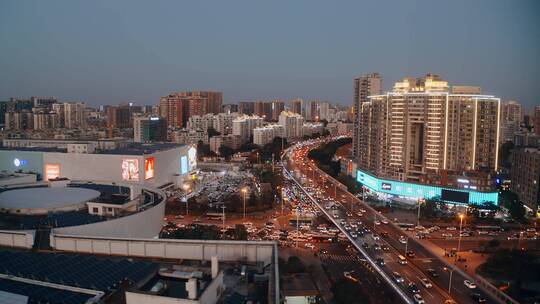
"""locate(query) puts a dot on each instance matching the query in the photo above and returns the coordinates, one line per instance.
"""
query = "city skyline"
(60, 50)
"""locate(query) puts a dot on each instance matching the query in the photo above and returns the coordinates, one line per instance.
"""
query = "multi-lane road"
(424, 265)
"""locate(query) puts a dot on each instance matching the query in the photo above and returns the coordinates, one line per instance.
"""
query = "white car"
(384, 222)
(451, 228)
(469, 284)
(402, 240)
(418, 299)
(426, 283)
(377, 222)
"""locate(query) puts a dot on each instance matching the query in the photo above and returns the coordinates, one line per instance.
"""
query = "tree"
(505, 153)
(204, 150)
(517, 210)
(212, 132)
(429, 209)
(240, 232)
(347, 292)
(226, 152)
(516, 265)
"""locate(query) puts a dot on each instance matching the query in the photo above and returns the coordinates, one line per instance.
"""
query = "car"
(384, 222)
(323, 251)
(413, 288)
(418, 299)
(447, 235)
(477, 298)
(375, 237)
(385, 248)
(465, 234)
(469, 284)
(384, 234)
(410, 253)
(397, 277)
(380, 262)
(335, 216)
(349, 214)
(432, 272)
(365, 245)
(377, 222)
(451, 228)
(403, 240)
(354, 235)
(350, 275)
(377, 247)
(426, 283)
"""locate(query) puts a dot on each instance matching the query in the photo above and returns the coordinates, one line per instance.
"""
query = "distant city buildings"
(293, 124)
(536, 120)
(512, 118)
(266, 134)
(243, 126)
(176, 108)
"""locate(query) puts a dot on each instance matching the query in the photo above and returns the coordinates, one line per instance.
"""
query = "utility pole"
(459, 238)
(418, 217)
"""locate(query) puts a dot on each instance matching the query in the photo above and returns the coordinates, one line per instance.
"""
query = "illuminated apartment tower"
(364, 86)
(297, 105)
(424, 132)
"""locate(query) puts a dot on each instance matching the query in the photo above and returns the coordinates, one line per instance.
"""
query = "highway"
(425, 264)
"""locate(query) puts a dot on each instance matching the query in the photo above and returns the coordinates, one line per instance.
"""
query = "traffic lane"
(462, 292)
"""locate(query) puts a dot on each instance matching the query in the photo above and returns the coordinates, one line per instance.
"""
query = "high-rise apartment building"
(325, 111)
(119, 116)
(297, 105)
(149, 129)
(423, 132)
(266, 134)
(536, 120)
(292, 123)
(246, 107)
(243, 126)
(312, 110)
(176, 108)
(74, 115)
(278, 106)
(512, 117)
(525, 176)
(364, 86)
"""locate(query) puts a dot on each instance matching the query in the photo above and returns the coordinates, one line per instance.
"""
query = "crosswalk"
(338, 257)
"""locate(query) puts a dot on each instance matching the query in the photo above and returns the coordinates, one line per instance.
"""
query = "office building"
(364, 86)
(149, 129)
(525, 176)
(423, 132)
(293, 124)
(512, 117)
(119, 116)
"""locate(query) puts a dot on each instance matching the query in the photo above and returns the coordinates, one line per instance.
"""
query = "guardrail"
(362, 250)
(495, 291)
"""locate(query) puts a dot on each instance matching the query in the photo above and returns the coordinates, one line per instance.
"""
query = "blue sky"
(107, 52)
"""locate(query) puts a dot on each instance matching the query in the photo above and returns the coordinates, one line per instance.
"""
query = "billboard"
(130, 169)
(52, 171)
(149, 165)
(192, 157)
(184, 165)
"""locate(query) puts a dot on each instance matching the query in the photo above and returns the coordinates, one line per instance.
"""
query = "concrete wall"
(213, 291)
(29, 161)
(144, 224)
(169, 249)
(139, 298)
(22, 239)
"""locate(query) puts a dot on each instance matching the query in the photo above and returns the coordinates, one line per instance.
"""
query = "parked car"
(469, 284)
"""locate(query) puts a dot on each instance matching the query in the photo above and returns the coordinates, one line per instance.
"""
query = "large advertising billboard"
(184, 165)
(130, 169)
(149, 168)
(192, 158)
(52, 171)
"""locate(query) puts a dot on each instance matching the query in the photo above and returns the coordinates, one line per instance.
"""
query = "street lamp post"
(459, 238)
(223, 217)
(186, 189)
(418, 217)
(406, 245)
(244, 191)
(297, 223)
(450, 282)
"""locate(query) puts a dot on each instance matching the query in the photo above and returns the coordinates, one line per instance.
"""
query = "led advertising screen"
(130, 169)
(192, 157)
(52, 171)
(149, 168)
(386, 186)
(184, 165)
(455, 196)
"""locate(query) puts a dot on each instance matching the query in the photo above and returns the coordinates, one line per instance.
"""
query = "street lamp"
(461, 216)
(450, 280)
(186, 189)
(244, 191)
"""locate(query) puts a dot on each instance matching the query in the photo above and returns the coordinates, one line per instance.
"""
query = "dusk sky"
(107, 52)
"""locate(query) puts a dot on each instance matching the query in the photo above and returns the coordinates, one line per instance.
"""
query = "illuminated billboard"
(419, 191)
(184, 165)
(192, 158)
(130, 169)
(52, 171)
(149, 168)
